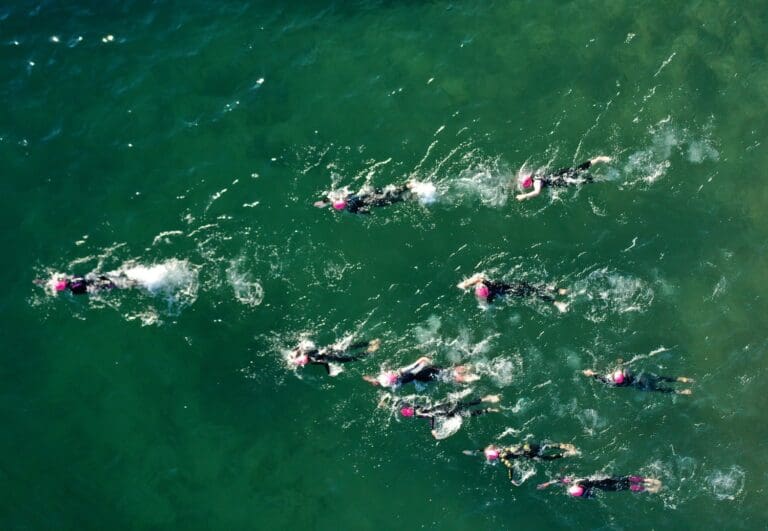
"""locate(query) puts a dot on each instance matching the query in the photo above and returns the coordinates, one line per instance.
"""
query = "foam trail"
(426, 192)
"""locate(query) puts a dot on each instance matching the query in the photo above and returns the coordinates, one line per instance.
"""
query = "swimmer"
(90, 283)
(444, 410)
(308, 354)
(543, 452)
(560, 178)
(584, 487)
(644, 381)
(367, 198)
(487, 290)
(424, 371)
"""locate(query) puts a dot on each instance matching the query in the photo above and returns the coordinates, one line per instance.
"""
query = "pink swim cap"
(482, 291)
(407, 411)
(339, 205)
(301, 360)
(491, 454)
(618, 377)
(60, 285)
(526, 181)
(576, 490)
(636, 487)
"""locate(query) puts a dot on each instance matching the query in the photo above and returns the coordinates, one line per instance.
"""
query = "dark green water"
(204, 131)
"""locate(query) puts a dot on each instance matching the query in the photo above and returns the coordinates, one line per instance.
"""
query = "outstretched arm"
(546, 484)
(533, 193)
(471, 281)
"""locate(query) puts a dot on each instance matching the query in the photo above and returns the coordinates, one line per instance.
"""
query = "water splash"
(247, 290)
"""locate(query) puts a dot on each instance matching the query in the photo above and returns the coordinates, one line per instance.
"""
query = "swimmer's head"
(339, 205)
(618, 377)
(491, 453)
(407, 411)
(300, 360)
(526, 181)
(482, 291)
(576, 490)
(60, 285)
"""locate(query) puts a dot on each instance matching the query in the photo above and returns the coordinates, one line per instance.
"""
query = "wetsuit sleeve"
(584, 165)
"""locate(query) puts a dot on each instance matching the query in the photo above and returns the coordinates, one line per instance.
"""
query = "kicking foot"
(684, 379)
(561, 306)
(684, 392)
(491, 399)
(601, 158)
(373, 346)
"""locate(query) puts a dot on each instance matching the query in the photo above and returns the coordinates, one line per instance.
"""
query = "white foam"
(727, 484)
(247, 290)
(445, 427)
(426, 192)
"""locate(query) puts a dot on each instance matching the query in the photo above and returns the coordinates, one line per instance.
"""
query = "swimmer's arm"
(533, 193)
(418, 364)
(471, 281)
(322, 203)
(598, 377)
(542, 486)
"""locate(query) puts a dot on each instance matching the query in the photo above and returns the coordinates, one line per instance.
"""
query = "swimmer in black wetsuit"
(444, 410)
(643, 382)
(560, 178)
(308, 354)
(543, 452)
(367, 198)
(487, 290)
(584, 487)
(422, 370)
(90, 283)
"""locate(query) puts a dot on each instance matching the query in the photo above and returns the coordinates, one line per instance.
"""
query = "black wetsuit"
(611, 484)
(643, 382)
(81, 285)
(517, 289)
(361, 203)
(328, 355)
(559, 178)
(419, 373)
(448, 409)
(529, 451)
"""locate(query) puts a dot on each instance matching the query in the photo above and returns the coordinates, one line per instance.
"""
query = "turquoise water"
(199, 135)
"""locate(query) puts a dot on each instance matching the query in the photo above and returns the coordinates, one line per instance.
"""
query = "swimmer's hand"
(588, 372)
(320, 204)
(601, 158)
(652, 485)
(468, 452)
(371, 380)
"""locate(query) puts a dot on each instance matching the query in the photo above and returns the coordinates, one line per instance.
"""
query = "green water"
(204, 131)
